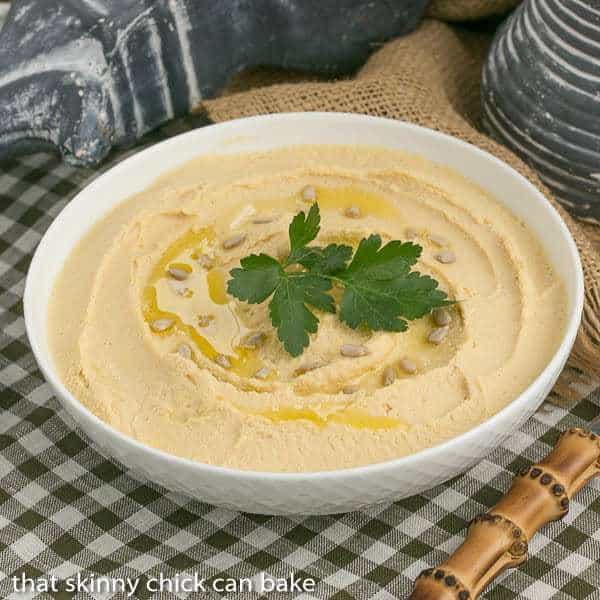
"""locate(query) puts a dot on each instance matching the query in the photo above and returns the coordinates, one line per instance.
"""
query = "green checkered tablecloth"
(66, 509)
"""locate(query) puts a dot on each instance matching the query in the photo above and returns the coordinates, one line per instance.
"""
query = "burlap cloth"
(430, 77)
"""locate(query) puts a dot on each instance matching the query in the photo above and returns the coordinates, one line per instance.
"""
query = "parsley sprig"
(380, 290)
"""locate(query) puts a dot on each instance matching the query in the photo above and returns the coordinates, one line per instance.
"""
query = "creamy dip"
(145, 335)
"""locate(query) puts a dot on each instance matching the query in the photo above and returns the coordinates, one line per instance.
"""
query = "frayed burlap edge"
(430, 77)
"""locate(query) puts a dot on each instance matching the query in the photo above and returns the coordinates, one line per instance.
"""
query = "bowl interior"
(272, 131)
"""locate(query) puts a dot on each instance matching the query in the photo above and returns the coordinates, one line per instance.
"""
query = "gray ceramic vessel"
(541, 96)
(84, 76)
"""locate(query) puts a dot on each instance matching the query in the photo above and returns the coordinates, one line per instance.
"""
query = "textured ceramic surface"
(84, 76)
(541, 96)
(326, 492)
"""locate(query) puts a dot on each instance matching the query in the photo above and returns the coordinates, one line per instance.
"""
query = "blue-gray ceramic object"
(541, 96)
(87, 75)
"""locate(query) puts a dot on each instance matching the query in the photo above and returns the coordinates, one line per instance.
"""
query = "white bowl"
(328, 491)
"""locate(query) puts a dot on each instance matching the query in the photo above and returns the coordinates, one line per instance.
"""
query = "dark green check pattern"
(64, 508)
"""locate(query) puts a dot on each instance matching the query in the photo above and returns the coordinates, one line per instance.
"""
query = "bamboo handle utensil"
(499, 538)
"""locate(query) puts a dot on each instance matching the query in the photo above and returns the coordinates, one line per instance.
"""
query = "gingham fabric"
(66, 509)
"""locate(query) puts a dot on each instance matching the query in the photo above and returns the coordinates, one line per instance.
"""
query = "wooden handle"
(499, 539)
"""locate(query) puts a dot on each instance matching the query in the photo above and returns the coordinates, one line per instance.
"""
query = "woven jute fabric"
(430, 77)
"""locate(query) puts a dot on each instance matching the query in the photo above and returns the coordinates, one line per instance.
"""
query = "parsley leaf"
(256, 280)
(303, 230)
(328, 260)
(371, 261)
(380, 290)
(289, 313)
(260, 276)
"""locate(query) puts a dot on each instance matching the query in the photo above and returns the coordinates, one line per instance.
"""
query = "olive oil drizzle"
(350, 416)
(245, 361)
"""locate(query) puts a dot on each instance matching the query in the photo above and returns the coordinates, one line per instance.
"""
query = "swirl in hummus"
(145, 334)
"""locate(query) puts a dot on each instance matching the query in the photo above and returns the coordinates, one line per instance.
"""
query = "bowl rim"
(552, 367)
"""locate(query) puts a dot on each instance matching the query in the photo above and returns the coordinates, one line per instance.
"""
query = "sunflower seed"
(234, 241)
(389, 376)
(206, 261)
(184, 351)
(353, 350)
(253, 340)
(178, 274)
(407, 365)
(438, 240)
(178, 287)
(263, 220)
(223, 361)
(438, 334)
(245, 213)
(205, 320)
(262, 373)
(162, 324)
(350, 389)
(309, 366)
(309, 193)
(441, 317)
(446, 257)
(353, 212)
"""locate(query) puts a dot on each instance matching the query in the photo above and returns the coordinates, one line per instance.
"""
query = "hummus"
(145, 335)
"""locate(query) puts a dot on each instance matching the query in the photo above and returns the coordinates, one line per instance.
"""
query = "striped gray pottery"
(541, 96)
